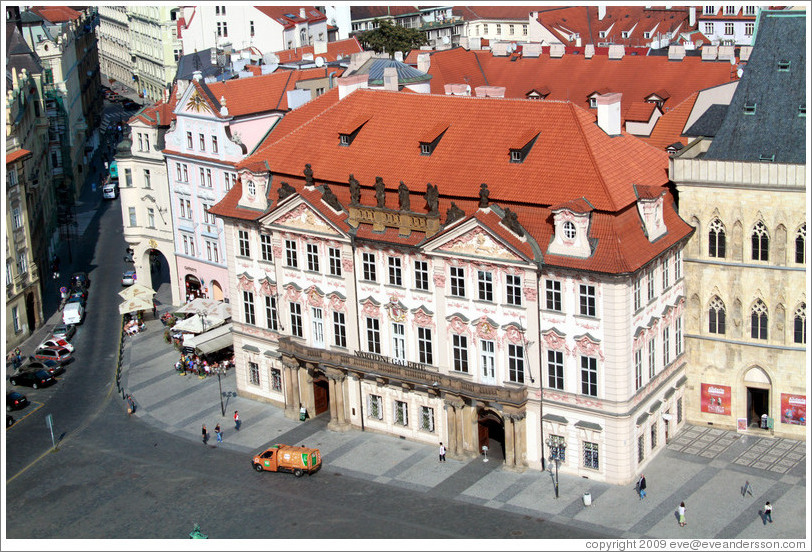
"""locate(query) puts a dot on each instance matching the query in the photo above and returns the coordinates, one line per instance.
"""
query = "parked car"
(15, 401)
(291, 459)
(54, 342)
(77, 298)
(129, 104)
(73, 313)
(64, 331)
(80, 279)
(110, 189)
(51, 366)
(45, 353)
(128, 278)
(35, 379)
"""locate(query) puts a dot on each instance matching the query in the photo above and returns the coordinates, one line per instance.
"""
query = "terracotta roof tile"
(639, 111)
(56, 14)
(17, 155)
(262, 93)
(669, 127)
(343, 48)
(289, 16)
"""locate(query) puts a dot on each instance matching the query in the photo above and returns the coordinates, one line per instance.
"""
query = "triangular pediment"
(298, 214)
(194, 101)
(474, 240)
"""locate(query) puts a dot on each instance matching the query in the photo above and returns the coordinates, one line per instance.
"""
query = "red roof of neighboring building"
(342, 48)
(56, 14)
(17, 155)
(289, 16)
(669, 127)
(639, 112)
(497, 12)
(371, 12)
(159, 114)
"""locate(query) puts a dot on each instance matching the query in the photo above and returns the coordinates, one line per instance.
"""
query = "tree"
(391, 38)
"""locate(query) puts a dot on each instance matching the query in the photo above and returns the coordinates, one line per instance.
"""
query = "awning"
(210, 341)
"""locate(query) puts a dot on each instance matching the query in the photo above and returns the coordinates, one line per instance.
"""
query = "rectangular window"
(398, 341)
(334, 257)
(638, 369)
(133, 221)
(636, 295)
(296, 320)
(641, 448)
(484, 283)
(253, 373)
(375, 407)
(214, 144)
(179, 174)
(498, 29)
(17, 218)
(748, 29)
(128, 178)
(185, 172)
(208, 178)
(562, 451)
(368, 264)
(708, 29)
(677, 265)
(395, 276)
(666, 273)
(202, 177)
(251, 28)
(587, 300)
(729, 10)
(248, 306)
(424, 348)
(652, 359)
(427, 419)
(457, 281)
(15, 316)
(591, 455)
(487, 359)
(678, 335)
(679, 410)
(421, 275)
(513, 289)
(653, 435)
(150, 217)
(401, 413)
(339, 329)
(729, 29)
(373, 335)
(245, 248)
(189, 141)
(555, 370)
(589, 376)
(650, 284)
(516, 363)
(459, 347)
(317, 318)
(147, 179)
(666, 346)
(276, 380)
(291, 259)
(270, 313)
(312, 257)
(553, 301)
(265, 247)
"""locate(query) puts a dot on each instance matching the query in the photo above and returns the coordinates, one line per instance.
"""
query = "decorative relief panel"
(336, 302)
(314, 296)
(291, 293)
(554, 341)
(486, 329)
(587, 347)
(477, 242)
(371, 310)
(439, 280)
(244, 283)
(305, 218)
(458, 326)
(266, 287)
(422, 319)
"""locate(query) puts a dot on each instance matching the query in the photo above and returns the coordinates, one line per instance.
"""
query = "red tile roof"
(159, 114)
(289, 16)
(17, 155)
(669, 127)
(342, 48)
(496, 12)
(56, 14)
(639, 111)
(370, 12)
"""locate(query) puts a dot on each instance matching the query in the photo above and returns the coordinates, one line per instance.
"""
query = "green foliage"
(392, 38)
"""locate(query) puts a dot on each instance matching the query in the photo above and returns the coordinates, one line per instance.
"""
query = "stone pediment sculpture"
(403, 197)
(330, 198)
(286, 190)
(483, 195)
(453, 213)
(431, 198)
(355, 191)
(380, 192)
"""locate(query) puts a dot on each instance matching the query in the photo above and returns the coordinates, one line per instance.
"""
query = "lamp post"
(557, 451)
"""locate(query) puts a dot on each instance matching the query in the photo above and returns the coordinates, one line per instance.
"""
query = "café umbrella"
(135, 304)
(136, 290)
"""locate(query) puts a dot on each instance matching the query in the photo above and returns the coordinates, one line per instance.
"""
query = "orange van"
(290, 459)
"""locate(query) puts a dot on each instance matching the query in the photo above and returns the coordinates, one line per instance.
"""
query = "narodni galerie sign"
(388, 360)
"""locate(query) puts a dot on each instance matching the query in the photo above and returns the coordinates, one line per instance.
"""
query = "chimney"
(197, 75)
(399, 56)
(692, 16)
(423, 62)
(601, 12)
(390, 79)
(609, 113)
(589, 51)
(302, 13)
(347, 85)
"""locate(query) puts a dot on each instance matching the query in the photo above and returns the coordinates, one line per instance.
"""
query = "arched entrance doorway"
(216, 291)
(491, 429)
(193, 287)
(757, 388)
(158, 268)
(321, 395)
(30, 311)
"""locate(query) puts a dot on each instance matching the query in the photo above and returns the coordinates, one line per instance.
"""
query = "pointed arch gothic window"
(758, 320)
(716, 239)
(800, 324)
(716, 316)
(800, 245)
(761, 242)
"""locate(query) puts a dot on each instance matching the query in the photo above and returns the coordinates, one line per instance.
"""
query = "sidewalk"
(702, 466)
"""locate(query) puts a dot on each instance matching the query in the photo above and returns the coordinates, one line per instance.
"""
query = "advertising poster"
(793, 409)
(716, 399)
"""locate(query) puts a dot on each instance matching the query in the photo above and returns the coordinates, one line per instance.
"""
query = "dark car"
(35, 379)
(15, 401)
(60, 355)
(129, 104)
(77, 298)
(79, 279)
(64, 331)
(51, 366)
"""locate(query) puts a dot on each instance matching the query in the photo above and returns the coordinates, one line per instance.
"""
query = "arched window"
(716, 316)
(758, 320)
(800, 324)
(761, 242)
(252, 188)
(800, 245)
(716, 239)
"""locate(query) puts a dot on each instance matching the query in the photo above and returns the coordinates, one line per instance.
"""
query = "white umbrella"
(195, 324)
(135, 304)
(136, 290)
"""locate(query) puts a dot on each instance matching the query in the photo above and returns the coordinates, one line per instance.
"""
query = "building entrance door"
(321, 396)
(491, 433)
(758, 403)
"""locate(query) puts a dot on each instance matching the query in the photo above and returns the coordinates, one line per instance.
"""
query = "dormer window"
(518, 154)
(647, 34)
(624, 34)
(783, 65)
(429, 140)
(252, 188)
(802, 110)
(709, 10)
(425, 149)
(345, 139)
(593, 102)
(767, 157)
(730, 10)
(750, 108)
(349, 133)
(602, 34)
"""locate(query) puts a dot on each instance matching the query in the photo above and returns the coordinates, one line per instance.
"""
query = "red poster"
(716, 399)
(793, 409)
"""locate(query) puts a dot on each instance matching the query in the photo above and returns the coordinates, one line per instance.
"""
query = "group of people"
(15, 358)
(191, 363)
(135, 324)
(219, 432)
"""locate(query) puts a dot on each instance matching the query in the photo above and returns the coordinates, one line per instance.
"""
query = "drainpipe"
(330, 76)
(357, 325)
(541, 369)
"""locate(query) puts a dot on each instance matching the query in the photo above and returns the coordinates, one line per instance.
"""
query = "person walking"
(237, 420)
(768, 512)
(130, 405)
(442, 452)
(205, 434)
(219, 433)
(641, 486)
(747, 488)
(681, 512)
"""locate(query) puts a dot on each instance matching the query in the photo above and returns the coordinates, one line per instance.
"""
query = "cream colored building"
(744, 191)
(114, 43)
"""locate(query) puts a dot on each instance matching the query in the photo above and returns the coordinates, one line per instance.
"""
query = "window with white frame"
(15, 317)
(178, 173)
(749, 10)
(296, 327)
(208, 178)
(334, 260)
(666, 346)
(666, 273)
(185, 172)
(17, 217)
(650, 287)
(513, 289)
(398, 341)
(189, 141)
(202, 177)
(553, 296)
(317, 319)
(516, 363)
(636, 294)
(248, 307)
(459, 347)
(395, 274)
(709, 10)
(266, 247)
(729, 29)
(208, 218)
(271, 319)
(252, 188)
(133, 220)
(424, 347)
(147, 179)
(749, 28)
(312, 257)
(22, 262)
(214, 144)
(368, 266)
(708, 29)
(373, 335)
(375, 407)
(653, 435)
(457, 281)
(421, 275)
(484, 285)
(487, 359)
(253, 373)
(677, 265)
(638, 369)
(562, 451)
(641, 448)
(427, 419)
(276, 379)
(244, 244)
(652, 358)
(678, 335)
(401, 413)
(586, 297)
(589, 376)
(730, 10)
(339, 329)
(591, 459)
(555, 370)
(291, 258)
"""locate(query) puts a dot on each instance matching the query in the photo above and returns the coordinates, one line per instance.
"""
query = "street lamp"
(557, 451)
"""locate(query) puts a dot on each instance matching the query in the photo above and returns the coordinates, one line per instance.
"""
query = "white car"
(129, 278)
(54, 342)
